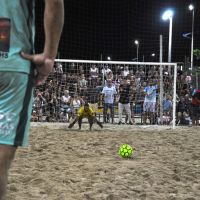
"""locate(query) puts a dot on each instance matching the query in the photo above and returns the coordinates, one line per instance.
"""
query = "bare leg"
(94, 119)
(80, 122)
(73, 122)
(145, 118)
(91, 121)
(6, 156)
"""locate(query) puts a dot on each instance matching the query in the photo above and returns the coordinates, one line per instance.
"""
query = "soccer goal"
(77, 77)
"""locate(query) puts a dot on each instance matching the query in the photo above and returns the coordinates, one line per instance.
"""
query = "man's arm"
(53, 24)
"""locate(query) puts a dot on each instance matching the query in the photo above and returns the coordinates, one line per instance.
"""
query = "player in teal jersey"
(17, 59)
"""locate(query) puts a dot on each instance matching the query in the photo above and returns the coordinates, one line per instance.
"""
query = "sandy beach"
(64, 164)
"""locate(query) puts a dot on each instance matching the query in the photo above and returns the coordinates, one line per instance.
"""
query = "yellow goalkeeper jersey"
(83, 113)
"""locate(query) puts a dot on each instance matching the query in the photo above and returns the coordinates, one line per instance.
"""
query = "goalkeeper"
(85, 112)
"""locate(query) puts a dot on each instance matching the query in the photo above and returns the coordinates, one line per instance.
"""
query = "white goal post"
(133, 66)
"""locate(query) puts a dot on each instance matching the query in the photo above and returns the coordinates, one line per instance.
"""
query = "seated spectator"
(182, 107)
(76, 103)
(185, 119)
(82, 81)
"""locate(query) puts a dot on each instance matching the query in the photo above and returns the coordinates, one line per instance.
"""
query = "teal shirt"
(16, 34)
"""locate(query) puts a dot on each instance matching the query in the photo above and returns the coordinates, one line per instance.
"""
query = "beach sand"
(64, 164)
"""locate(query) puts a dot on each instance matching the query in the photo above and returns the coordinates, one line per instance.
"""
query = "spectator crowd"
(117, 94)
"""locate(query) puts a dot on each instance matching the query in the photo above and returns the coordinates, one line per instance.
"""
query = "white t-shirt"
(109, 93)
(94, 72)
(76, 103)
(151, 93)
(106, 71)
(65, 100)
(125, 73)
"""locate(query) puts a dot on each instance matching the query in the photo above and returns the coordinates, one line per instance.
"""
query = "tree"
(197, 53)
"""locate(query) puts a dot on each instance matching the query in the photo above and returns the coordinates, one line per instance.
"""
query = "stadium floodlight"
(168, 15)
(108, 58)
(136, 42)
(191, 8)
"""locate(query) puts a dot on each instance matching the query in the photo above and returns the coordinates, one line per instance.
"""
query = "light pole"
(137, 45)
(168, 15)
(191, 8)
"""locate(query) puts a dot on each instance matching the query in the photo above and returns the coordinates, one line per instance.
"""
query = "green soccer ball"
(125, 151)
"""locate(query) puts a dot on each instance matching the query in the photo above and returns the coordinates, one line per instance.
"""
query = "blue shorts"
(16, 91)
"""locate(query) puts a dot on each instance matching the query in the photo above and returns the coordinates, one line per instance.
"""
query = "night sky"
(109, 27)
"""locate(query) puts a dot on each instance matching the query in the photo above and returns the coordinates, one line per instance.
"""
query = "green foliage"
(197, 53)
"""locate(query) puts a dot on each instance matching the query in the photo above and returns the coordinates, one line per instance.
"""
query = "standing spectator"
(167, 110)
(105, 71)
(94, 74)
(63, 80)
(59, 68)
(109, 92)
(65, 106)
(109, 75)
(16, 73)
(81, 69)
(125, 73)
(124, 101)
(149, 106)
(93, 96)
(94, 71)
(53, 109)
(196, 107)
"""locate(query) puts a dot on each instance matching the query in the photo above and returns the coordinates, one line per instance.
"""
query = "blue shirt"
(150, 93)
(167, 105)
(16, 34)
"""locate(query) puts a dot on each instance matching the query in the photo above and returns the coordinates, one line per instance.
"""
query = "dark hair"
(86, 104)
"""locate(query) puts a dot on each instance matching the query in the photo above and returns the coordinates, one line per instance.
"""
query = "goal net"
(152, 94)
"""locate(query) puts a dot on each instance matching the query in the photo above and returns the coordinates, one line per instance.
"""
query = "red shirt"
(196, 98)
